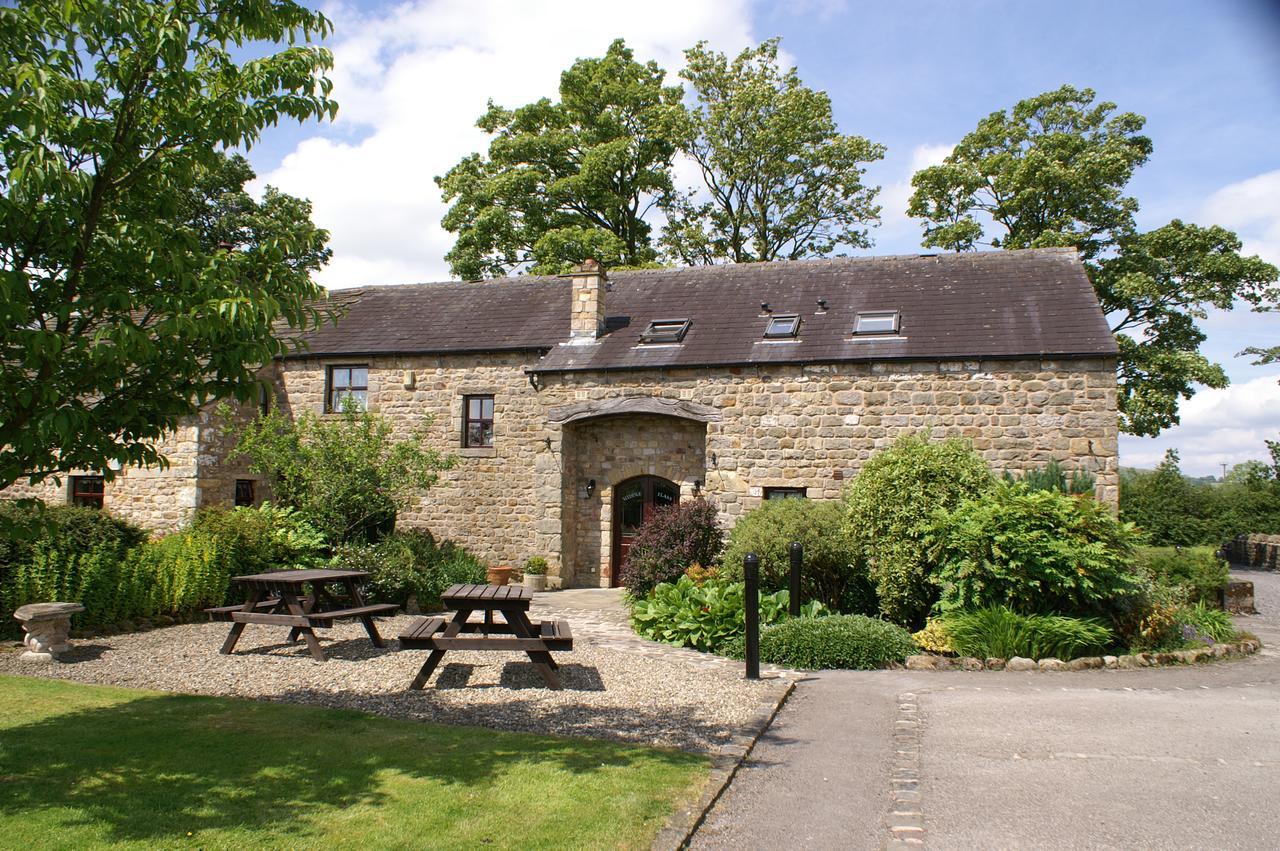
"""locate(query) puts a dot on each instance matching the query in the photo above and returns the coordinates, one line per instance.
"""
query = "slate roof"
(999, 304)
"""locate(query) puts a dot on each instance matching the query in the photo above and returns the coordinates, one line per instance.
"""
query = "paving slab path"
(1185, 757)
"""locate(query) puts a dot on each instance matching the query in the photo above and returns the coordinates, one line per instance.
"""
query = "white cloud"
(898, 233)
(411, 82)
(1218, 426)
(1252, 209)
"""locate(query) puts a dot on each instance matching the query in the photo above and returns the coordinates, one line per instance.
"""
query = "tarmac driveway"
(1185, 757)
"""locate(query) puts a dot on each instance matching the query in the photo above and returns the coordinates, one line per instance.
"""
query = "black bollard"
(751, 573)
(797, 560)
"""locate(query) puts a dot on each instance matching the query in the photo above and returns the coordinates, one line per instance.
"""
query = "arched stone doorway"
(634, 502)
(603, 451)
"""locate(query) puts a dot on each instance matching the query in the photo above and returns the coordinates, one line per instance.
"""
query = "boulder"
(969, 663)
(1052, 664)
(1020, 663)
(1084, 663)
(994, 663)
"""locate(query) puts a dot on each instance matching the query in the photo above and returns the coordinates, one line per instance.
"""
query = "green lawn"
(91, 766)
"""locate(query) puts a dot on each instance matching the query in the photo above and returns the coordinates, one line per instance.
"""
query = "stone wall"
(810, 426)
(486, 502)
(1254, 550)
(794, 426)
(154, 498)
(199, 475)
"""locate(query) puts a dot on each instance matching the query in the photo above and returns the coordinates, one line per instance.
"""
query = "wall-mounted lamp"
(697, 486)
(587, 488)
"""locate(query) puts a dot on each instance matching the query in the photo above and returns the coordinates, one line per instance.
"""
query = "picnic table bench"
(440, 635)
(280, 598)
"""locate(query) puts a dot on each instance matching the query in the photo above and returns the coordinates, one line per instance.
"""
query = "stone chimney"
(586, 310)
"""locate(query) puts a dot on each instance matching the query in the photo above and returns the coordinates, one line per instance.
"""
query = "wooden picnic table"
(280, 598)
(518, 633)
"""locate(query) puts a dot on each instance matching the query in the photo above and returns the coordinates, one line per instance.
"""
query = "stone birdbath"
(47, 626)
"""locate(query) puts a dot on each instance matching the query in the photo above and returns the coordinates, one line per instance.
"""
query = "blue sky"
(411, 78)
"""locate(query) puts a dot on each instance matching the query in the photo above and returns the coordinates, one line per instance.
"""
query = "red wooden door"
(634, 502)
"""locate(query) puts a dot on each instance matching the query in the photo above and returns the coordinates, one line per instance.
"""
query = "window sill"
(477, 452)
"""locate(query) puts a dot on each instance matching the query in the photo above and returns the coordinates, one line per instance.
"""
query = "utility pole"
(1224, 470)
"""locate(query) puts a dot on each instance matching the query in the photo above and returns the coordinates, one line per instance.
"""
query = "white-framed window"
(781, 326)
(876, 322)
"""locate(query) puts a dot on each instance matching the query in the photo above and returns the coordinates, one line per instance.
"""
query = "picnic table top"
(486, 594)
(299, 577)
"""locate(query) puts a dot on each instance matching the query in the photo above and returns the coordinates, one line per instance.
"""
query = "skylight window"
(782, 326)
(876, 322)
(665, 331)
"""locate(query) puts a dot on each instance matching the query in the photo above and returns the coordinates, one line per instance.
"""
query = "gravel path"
(609, 692)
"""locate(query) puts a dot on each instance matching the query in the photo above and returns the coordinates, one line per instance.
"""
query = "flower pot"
(499, 575)
(535, 581)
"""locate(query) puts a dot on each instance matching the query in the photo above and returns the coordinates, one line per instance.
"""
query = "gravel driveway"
(609, 693)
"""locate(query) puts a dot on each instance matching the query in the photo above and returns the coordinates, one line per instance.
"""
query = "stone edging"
(906, 807)
(680, 828)
(1223, 650)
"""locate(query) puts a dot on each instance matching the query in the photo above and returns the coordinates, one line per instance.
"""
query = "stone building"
(576, 405)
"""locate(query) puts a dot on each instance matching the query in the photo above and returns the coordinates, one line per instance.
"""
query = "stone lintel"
(681, 408)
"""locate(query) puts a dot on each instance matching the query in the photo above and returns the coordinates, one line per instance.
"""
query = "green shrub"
(410, 563)
(1196, 571)
(262, 539)
(889, 507)
(1034, 552)
(1002, 633)
(1176, 511)
(838, 641)
(46, 549)
(1051, 477)
(1206, 624)
(347, 473)
(675, 538)
(75, 529)
(705, 616)
(179, 574)
(833, 571)
(536, 566)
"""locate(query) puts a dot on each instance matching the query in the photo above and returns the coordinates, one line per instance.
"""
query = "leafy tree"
(1163, 504)
(1176, 511)
(345, 474)
(1263, 355)
(783, 182)
(1052, 172)
(569, 180)
(137, 280)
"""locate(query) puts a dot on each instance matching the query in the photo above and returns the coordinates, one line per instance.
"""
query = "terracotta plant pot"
(499, 575)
